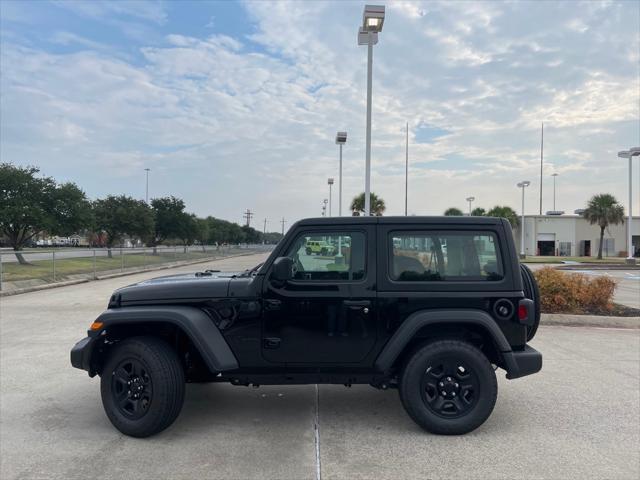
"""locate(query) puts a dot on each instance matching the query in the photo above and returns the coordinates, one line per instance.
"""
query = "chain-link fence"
(38, 267)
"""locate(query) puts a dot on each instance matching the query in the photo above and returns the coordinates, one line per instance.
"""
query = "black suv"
(428, 305)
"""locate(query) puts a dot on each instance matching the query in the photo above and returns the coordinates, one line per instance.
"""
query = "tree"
(168, 212)
(505, 212)
(187, 229)
(203, 231)
(377, 205)
(478, 212)
(118, 216)
(32, 205)
(453, 212)
(603, 210)
(251, 235)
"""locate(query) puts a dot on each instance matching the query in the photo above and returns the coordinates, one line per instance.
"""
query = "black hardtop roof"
(441, 220)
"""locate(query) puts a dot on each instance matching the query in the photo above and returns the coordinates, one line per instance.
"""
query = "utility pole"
(283, 221)
(146, 196)
(264, 229)
(406, 173)
(248, 214)
(541, 162)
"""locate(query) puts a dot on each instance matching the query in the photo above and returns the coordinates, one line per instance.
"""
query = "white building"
(572, 235)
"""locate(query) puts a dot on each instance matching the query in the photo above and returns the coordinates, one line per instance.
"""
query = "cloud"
(247, 120)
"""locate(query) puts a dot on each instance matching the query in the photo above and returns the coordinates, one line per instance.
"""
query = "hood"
(185, 288)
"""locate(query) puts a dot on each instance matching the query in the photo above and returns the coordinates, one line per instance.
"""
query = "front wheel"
(142, 386)
(448, 387)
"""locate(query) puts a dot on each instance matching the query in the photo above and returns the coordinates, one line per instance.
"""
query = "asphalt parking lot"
(578, 418)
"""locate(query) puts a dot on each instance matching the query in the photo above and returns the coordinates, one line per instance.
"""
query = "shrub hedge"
(562, 292)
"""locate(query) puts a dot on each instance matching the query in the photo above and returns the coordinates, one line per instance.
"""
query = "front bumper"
(523, 362)
(82, 353)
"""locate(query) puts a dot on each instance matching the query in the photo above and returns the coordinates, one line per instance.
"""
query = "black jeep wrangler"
(428, 305)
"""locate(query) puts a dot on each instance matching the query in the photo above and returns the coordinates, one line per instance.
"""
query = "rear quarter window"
(440, 256)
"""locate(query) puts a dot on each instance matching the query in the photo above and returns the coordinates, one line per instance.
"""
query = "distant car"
(397, 311)
(319, 247)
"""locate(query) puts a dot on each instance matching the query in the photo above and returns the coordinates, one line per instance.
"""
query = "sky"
(235, 105)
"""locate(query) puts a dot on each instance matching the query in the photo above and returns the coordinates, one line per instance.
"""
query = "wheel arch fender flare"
(418, 320)
(195, 324)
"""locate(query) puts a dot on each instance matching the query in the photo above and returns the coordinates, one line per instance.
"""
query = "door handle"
(357, 303)
(271, 342)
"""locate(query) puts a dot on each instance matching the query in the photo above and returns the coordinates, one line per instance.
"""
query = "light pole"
(406, 172)
(372, 20)
(470, 200)
(524, 184)
(629, 154)
(341, 139)
(330, 183)
(146, 195)
(554, 175)
(324, 207)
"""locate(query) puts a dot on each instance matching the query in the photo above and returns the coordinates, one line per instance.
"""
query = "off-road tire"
(308, 251)
(415, 373)
(164, 372)
(531, 291)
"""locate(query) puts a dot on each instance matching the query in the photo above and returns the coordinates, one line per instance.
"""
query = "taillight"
(523, 312)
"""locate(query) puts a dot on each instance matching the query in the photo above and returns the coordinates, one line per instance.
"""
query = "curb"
(589, 321)
(67, 283)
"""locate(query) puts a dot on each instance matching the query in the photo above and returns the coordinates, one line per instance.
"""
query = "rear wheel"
(308, 251)
(532, 292)
(448, 387)
(142, 386)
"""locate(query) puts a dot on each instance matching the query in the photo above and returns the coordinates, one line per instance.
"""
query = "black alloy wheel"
(131, 388)
(450, 387)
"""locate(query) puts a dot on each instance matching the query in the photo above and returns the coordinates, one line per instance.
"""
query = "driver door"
(327, 312)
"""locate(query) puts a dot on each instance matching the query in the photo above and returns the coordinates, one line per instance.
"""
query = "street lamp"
(470, 200)
(324, 207)
(341, 139)
(524, 184)
(372, 21)
(632, 152)
(146, 196)
(554, 175)
(330, 183)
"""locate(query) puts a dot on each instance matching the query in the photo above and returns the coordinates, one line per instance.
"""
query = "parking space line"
(316, 427)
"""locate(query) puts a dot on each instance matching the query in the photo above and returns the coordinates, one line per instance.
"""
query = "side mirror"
(282, 269)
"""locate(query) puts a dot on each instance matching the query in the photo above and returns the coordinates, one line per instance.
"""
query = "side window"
(444, 256)
(329, 256)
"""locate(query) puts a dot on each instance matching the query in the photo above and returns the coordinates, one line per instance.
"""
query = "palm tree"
(505, 212)
(603, 210)
(478, 212)
(453, 212)
(377, 205)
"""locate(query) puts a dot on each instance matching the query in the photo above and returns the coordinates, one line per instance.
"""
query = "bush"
(562, 292)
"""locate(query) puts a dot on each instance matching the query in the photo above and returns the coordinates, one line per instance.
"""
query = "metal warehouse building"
(572, 235)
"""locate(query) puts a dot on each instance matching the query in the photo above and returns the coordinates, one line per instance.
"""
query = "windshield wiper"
(248, 273)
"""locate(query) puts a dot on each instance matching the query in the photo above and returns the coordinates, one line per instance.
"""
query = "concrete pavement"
(578, 418)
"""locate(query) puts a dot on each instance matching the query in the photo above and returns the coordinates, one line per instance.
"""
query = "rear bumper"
(81, 355)
(522, 363)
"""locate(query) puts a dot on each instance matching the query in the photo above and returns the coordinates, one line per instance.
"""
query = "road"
(33, 255)
(628, 289)
(578, 418)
